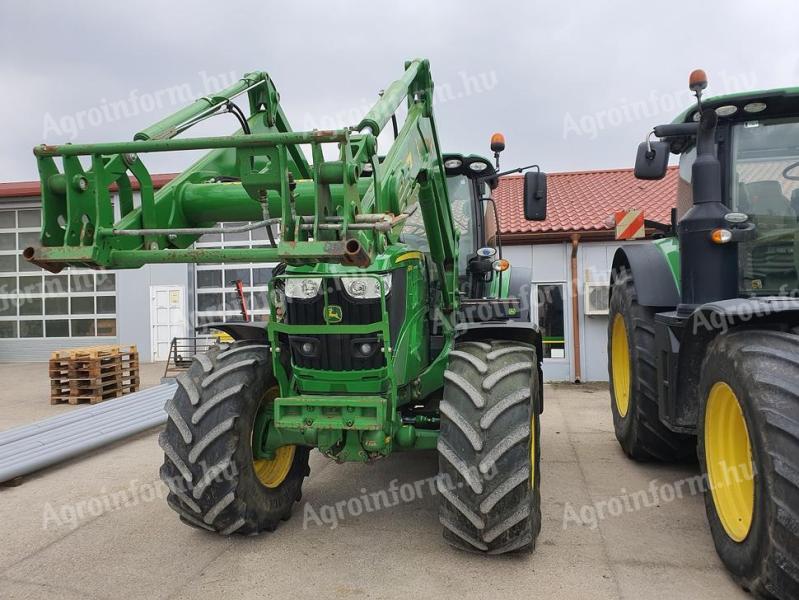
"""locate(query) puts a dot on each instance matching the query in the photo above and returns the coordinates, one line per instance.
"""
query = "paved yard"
(61, 541)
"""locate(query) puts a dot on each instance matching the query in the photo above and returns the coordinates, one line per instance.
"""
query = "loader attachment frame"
(345, 211)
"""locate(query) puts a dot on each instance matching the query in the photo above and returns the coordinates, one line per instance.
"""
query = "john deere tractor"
(704, 326)
(391, 323)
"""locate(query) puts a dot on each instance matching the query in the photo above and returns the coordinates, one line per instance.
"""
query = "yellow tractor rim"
(620, 365)
(728, 454)
(271, 472)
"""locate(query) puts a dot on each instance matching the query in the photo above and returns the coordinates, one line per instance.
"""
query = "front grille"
(353, 312)
(339, 352)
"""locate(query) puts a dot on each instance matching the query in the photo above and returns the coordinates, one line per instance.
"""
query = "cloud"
(550, 62)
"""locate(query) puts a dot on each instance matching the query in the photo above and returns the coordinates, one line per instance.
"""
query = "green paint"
(670, 248)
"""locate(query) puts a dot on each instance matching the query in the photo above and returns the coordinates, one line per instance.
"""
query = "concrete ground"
(62, 536)
(25, 392)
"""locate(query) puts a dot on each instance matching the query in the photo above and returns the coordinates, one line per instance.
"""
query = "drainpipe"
(575, 238)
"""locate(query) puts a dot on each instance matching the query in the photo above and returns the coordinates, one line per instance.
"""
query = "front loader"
(391, 323)
(703, 339)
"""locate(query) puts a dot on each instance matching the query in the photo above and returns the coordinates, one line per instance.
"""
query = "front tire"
(633, 380)
(214, 482)
(749, 452)
(489, 448)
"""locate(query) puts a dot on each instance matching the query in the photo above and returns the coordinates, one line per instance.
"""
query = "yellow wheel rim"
(272, 472)
(728, 454)
(620, 365)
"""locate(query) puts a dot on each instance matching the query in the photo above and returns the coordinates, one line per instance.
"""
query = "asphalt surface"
(98, 526)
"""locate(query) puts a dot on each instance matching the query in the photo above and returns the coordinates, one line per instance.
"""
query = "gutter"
(556, 237)
(575, 242)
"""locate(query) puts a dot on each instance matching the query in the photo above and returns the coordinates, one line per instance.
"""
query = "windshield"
(459, 189)
(765, 186)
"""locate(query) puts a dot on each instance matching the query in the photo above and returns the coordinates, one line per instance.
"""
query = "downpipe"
(578, 375)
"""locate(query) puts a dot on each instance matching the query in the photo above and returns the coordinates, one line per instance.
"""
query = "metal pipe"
(88, 423)
(254, 140)
(168, 126)
(32, 442)
(30, 464)
(16, 433)
(56, 447)
(575, 238)
(136, 258)
(198, 230)
(67, 436)
(28, 448)
(77, 439)
(389, 101)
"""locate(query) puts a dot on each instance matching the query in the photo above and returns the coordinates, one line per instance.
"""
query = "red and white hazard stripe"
(630, 224)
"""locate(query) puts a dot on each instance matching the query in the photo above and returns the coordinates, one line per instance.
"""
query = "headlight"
(303, 288)
(366, 287)
(478, 166)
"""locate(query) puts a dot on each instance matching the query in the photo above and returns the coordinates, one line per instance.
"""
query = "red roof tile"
(581, 201)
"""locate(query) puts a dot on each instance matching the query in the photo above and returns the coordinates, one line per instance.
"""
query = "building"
(40, 312)
(569, 257)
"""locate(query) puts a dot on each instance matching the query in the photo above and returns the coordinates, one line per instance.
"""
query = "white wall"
(550, 263)
(133, 302)
(547, 263)
(597, 259)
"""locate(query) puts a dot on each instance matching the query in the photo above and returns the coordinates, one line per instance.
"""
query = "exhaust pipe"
(29, 254)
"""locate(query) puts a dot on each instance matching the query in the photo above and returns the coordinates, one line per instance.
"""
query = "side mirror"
(535, 196)
(652, 160)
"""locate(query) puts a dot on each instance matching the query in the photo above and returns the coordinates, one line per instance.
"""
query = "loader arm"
(345, 211)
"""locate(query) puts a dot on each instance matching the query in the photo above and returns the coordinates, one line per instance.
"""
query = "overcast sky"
(572, 85)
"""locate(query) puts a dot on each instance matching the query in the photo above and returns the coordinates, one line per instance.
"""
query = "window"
(685, 192)
(216, 298)
(550, 316)
(765, 186)
(460, 191)
(37, 304)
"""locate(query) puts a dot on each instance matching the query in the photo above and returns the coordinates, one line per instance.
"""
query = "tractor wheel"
(749, 453)
(489, 449)
(633, 380)
(214, 482)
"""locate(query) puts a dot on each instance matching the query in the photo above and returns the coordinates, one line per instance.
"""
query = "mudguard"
(652, 277)
(238, 331)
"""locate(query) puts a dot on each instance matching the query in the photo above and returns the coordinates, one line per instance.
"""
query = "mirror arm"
(510, 172)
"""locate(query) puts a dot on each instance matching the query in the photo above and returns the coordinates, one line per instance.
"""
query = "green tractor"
(704, 326)
(392, 326)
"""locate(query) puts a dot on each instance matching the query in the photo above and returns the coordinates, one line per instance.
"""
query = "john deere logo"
(333, 313)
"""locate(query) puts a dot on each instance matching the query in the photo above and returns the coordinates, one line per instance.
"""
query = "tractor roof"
(779, 102)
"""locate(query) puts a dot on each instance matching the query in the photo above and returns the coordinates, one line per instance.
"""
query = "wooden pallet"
(89, 352)
(93, 374)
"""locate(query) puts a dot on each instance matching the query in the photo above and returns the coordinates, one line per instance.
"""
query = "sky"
(573, 85)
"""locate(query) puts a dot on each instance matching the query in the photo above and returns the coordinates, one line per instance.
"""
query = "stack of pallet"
(93, 374)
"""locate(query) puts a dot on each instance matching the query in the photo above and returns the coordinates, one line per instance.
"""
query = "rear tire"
(208, 464)
(489, 448)
(633, 380)
(761, 369)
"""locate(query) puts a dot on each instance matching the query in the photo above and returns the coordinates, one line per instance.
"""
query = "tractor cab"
(483, 273)
(749, 174)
